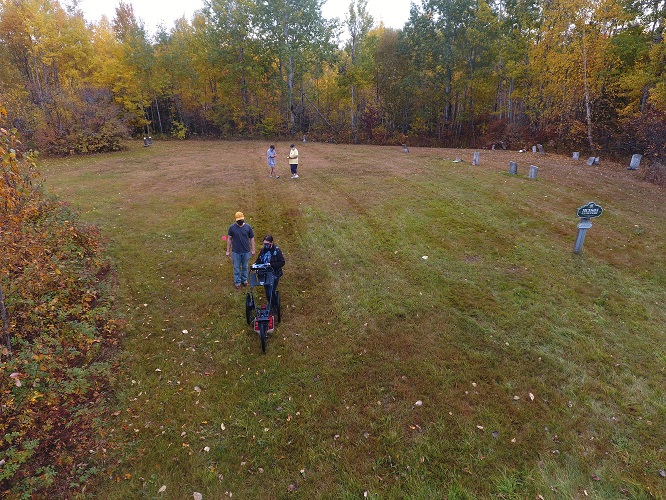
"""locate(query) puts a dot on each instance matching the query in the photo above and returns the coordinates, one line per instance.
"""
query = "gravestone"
(145, 142)
(405, 149)
(534, 170)
(576, 155)
(541, 150)
(475, 161)
(150, 141)
(592, 160)
(534, 149)
(513, 167)
(635, 162)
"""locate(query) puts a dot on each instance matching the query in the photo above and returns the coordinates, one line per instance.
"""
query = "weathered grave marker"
(591, 161)
(534, 149)
(534, 170)
(576, 155)
(586, 212)
(476, 158)
(635, 162)
(513, 167)
(145, 142)
(150, 141)
(541, 150)
(405, 149)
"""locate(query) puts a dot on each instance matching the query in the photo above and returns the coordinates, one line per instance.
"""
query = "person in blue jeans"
(240, 245)
(271, 254)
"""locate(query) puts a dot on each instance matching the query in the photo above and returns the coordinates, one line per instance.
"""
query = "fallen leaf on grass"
(15, 376)
(531, 396)
(162, 489)
(292, 487)
(197, 495)
(595, 477)
(480, 427)
(425, 257)
(418, 403)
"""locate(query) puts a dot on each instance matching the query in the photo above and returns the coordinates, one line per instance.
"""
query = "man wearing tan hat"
(240, 241)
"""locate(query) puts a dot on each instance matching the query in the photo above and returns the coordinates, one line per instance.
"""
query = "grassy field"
(439, 337)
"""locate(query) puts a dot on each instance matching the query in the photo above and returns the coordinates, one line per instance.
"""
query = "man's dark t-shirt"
(240, 237)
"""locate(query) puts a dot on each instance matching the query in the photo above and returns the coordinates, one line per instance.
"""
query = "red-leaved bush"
(58, 334)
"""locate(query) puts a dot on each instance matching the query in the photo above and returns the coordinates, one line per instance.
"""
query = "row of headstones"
(594, 160)
(147, 141)
(513, 169)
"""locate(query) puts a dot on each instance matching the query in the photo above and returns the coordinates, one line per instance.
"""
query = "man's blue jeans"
(240, 261)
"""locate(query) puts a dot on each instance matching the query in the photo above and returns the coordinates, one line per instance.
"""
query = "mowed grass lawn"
(439, 337)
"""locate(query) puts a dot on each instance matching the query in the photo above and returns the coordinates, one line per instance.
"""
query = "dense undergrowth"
(58, 335)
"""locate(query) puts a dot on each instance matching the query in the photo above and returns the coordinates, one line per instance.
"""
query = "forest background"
(572, 75)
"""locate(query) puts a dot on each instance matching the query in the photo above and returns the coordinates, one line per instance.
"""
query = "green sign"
(589, 211)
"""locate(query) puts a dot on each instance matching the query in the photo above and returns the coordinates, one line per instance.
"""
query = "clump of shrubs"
(58, 335)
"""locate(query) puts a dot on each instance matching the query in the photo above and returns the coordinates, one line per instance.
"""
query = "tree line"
(573, 74)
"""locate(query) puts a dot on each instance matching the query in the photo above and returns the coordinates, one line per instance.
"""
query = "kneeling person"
(271, 254)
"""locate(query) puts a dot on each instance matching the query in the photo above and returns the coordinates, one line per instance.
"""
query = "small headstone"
(145, 142)
(150, 141)
(635, 162)
(576, 155)
(591, 161)
(405, 149)
(541, 150)
(534, 149)
(457, 160)
(476, 158)
(304, 139)
(493, 148)
(533, 171)
(513, 167)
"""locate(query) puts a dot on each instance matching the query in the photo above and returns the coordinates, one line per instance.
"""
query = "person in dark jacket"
(271, 254)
